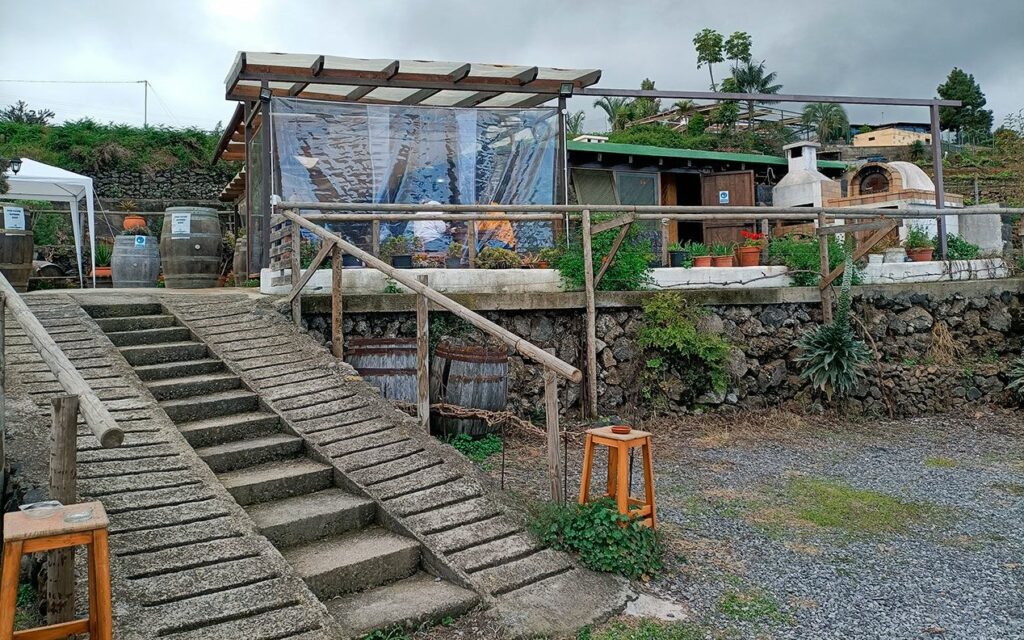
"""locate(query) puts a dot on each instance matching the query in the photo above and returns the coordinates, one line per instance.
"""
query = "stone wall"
(941, 346)
(173, 184)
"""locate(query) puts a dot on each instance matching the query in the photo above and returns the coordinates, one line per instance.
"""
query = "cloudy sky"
(184, 47)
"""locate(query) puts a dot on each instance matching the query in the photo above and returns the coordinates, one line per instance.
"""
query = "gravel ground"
(747, 561)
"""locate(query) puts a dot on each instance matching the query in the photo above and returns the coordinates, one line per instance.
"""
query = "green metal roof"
(688, 154)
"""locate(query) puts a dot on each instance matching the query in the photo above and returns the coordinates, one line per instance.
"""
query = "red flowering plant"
(752, 238)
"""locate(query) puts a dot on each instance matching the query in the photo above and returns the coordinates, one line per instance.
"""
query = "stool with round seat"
(23, 534)
(619, 446)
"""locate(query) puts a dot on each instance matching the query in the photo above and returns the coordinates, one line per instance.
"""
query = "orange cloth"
(499, 230)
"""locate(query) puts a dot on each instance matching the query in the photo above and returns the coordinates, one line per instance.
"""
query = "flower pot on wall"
(748, 256)
(702, 261)
(896, 254)
(677, 258)
(920, 255)
(721, 261)
(402, 262)
(133, 222)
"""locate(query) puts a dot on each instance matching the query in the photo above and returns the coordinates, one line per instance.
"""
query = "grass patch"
(941, 462)
(390, 633)
(478, 449)
(1012, 488)
(750, 605)
(644, 630)
(835, 505)
(25, 614)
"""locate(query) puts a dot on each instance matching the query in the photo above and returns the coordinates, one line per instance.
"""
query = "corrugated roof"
(688, 154)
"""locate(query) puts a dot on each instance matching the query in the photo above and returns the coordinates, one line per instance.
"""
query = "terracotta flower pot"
(920, 255)
(721, 261)
(748, 256)
(702, 261)
(101, 272)
(133, 222)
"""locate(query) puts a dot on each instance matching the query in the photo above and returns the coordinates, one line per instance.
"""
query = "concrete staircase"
(367, 576)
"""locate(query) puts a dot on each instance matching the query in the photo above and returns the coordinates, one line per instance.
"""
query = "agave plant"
(833, 359)
(1016, 376)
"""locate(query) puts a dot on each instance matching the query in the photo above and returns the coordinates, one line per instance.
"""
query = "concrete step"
(213, 431)
(302, 519)
(354, 561)
(149, 336)
(248, 453)
(216, 404)
(135, 323)
(165, 370)
(407, 603)
(277, 480)
(186, 386)
(123, 310)
(169, 352)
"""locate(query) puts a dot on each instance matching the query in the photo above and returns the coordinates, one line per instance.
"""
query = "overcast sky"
(183, 48)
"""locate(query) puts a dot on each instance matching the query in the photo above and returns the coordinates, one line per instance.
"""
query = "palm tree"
(748, 77)
(684, 106)
(829, 121)
(617, 110)
(574, 123)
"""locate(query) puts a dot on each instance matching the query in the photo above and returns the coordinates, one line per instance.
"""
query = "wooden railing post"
(664, 242)
(337, 335)
(422, 359)
(3, 393)
(60, 563)
(826, 295)
(471, 243)
(296, 272)
(375, 239)
(551, 420)
(588, 284)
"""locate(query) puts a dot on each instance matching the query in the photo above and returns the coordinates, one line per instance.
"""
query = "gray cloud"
(184, 47)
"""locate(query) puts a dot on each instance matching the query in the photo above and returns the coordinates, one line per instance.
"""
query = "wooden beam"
(314, 71)
(611, 254)
(853, 227)
(588, 285)
(60, 563)
(296, 268)
(423, 358)
(554, 436)
(310, 271)
(337, 324)
(418, 96)
(826, 297)
(862, 248)
(627, 219)
(475, 98)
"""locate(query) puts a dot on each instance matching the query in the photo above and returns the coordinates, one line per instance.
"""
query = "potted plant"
(102, 259)
(749, 253)
(548, 257)
(454, 259)
(131, 220)
(721, 255)
(349, 260)
(677, 255)
(497, 258)
(700, 254)
(398, 251)
(918, 245)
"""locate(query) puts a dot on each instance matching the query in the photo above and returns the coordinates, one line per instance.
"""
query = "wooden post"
(826, 295)
(337, 337)
(471, 242)
(375, 239)
(551, 420)
(422, 359)
(60, 563)
(296, 273)
(588, 284)
(765, 230)
(3, 395)
(664, 242)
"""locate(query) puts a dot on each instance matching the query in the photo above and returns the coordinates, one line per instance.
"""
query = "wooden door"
(730, 189)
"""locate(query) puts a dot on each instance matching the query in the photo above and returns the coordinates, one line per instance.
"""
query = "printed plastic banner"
(367, 153)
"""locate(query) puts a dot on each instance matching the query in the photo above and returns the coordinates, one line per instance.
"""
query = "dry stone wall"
(939, 349)
(171, 184)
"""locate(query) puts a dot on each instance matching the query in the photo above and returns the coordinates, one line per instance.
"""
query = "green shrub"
(1016, 377)
(476, 450)
(719, 249)
(917, 238)
(672, 330)
(398, 246)
(498, 258)
(802, 257)
(50, 229)
(833, 359)
(697, 249)
(959, 249)
(604, 539)
(630, 270)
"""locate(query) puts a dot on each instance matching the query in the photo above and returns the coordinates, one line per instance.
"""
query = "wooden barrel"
(387, 363)
(190, 247)
(16, 248)
(468, 376)
(240, 262)
(135, 262)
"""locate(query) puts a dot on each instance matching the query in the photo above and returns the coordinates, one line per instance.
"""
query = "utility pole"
(145, 103)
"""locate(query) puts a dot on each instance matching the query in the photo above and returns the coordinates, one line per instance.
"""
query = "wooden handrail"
(520, 345)
(102, 424)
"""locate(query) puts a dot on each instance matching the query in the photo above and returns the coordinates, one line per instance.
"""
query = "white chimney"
(804, 185)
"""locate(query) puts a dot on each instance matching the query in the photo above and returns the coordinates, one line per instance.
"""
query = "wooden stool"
(619, 446)
(28, 535)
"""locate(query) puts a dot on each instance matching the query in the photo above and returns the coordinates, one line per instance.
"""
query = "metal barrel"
(387, 363)
(190, 247)
(474, 377)
(135, 262)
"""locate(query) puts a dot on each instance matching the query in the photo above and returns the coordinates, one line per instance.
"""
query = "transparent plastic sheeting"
(367, 153)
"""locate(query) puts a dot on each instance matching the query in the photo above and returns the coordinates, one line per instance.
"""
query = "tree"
(748, 77)
(19, 112)
(971, 117)
(829, 121)
(708, 44)
(737, 47)
(644, 107)
(574, 123)
(684, 106)
(616, 109)
(696, 125)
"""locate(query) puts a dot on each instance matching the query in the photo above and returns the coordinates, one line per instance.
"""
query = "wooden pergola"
(256, 77)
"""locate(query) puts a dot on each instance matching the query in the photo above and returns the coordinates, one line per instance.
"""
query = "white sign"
(723, 197)
(181, 223)
(14, 218)
(140, 241)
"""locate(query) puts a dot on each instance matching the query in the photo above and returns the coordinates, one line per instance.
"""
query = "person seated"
(432, 234)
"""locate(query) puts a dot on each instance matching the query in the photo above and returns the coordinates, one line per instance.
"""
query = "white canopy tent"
(38, 181)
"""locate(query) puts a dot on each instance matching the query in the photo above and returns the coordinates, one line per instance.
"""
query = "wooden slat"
(629, 218)
(862, 248)
(553, 435)
(611, 254)
(54, 631)
(591, 319)
(310, 271)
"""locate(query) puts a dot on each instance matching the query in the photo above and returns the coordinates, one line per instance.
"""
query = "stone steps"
(136, 323)
(158, 335)
(185, 386)
(222, 429)
(166, 352)
(210, 406)
(181, 368)
(277, 480)
(247, 453)
(312, 516)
